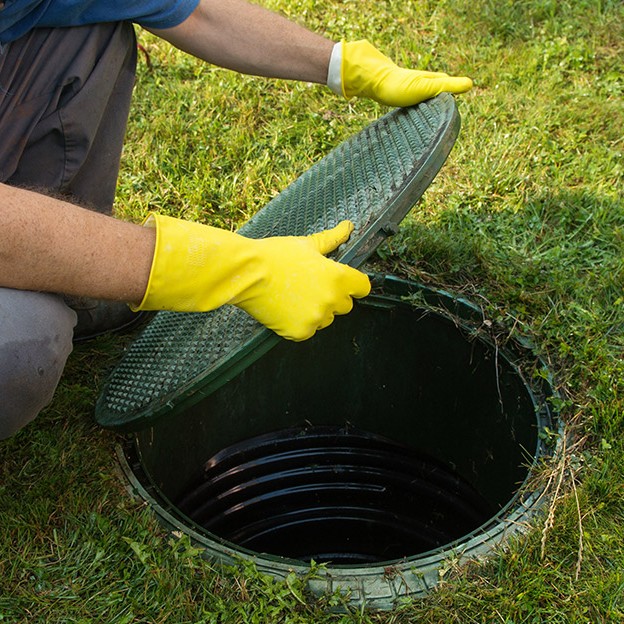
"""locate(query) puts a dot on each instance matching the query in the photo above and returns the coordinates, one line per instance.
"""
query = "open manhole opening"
(398, 437)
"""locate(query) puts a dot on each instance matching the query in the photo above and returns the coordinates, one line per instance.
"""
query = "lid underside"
(373, 179)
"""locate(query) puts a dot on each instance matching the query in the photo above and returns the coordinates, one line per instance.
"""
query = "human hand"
(301, 290)
(366, 72)
(286, 283)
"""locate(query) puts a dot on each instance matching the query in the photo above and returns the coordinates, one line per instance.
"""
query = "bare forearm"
(51, 245)
(247, 38)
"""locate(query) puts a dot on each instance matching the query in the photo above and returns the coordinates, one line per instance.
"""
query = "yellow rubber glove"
(366, 72)
(286, 282)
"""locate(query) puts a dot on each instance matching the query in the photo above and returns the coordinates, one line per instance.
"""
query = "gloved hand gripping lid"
(284, 282)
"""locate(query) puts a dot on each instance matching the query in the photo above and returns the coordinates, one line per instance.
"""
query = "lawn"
(526, 218)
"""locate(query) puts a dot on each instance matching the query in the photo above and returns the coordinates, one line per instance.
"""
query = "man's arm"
(50, 245)
(286, 283)
(250, 39)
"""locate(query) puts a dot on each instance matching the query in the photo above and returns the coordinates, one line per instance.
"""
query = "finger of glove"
(303, 332)
(328, 240)
(300, 329)
(457, 84)
(357, 284)
(351, 284)
(406, 88)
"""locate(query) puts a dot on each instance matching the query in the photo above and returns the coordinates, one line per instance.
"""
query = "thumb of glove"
(328, 240)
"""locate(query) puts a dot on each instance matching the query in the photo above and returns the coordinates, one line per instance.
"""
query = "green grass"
(526, 218)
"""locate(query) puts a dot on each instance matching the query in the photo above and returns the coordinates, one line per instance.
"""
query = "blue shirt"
(17, 17)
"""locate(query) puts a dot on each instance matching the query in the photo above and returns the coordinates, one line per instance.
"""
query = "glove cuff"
(363, 66)
(334, 72)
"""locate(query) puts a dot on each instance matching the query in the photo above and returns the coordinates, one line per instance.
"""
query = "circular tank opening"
(397, 437)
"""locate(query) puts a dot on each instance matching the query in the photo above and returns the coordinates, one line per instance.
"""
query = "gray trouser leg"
(36, 332)
(64, 101)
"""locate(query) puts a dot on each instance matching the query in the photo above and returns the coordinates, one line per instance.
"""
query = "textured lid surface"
(373, 179)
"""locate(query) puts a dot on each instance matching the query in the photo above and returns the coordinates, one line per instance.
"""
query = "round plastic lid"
(373, 179)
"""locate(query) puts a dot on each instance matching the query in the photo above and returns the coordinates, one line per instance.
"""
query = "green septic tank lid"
(373, 179)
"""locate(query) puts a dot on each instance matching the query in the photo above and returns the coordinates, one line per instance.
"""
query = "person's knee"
(34, 346)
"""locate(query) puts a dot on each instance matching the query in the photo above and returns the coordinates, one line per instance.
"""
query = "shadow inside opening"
(394, 432)
(333, 495)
